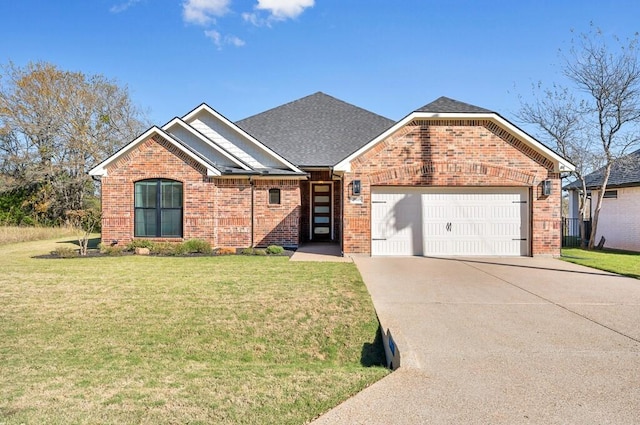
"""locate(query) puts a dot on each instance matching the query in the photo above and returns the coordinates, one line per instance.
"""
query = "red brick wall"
(152, 159)
(215, 209)
(276, 224)
(232, 214)
(453, 153)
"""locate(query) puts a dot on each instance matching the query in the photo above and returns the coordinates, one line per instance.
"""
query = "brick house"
(448, 179)
(618, 221)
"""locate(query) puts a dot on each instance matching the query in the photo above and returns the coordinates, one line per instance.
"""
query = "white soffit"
(206, 108)
(177, 122)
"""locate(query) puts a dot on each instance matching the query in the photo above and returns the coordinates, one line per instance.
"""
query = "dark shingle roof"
(625, 172)
(447, 105)
(317, 130)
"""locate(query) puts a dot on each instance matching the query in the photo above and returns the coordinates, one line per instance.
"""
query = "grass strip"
(626, 263)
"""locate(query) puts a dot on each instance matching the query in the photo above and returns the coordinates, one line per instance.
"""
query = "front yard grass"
(622, 262)
(150, 340)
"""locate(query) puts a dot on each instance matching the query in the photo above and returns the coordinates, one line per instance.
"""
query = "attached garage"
(450, 221)
(452, 179)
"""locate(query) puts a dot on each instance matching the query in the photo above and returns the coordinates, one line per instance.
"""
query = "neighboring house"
(448, 179)
(619, 221)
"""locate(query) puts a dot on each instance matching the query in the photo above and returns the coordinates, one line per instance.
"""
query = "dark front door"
(321, 212)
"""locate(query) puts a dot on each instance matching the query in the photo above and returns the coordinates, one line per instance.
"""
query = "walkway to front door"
(329, 252)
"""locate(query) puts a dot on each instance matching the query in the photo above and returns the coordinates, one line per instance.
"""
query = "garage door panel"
(394, 230)
(478, 221)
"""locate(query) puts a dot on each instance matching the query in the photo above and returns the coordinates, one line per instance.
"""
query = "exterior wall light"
(356, 188)
(546, 187)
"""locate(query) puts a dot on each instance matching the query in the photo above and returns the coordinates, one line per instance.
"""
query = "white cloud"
(232, 39)
(220, 40)
(264, 13)
(284, 9)
(254, 19)
(215, 36)
(203, 12)
(279, 10)
(123, 6)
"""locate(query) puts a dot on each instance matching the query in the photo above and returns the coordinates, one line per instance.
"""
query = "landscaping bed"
(189, 248)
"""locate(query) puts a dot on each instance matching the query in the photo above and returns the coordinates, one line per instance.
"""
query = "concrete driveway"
(502, 341)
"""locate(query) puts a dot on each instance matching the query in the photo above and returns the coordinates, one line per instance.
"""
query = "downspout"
(252, 206)
(99, 180)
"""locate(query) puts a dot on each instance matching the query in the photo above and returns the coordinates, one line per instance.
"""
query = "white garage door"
(470, 221)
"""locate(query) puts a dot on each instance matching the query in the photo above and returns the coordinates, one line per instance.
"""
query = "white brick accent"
(619, 220)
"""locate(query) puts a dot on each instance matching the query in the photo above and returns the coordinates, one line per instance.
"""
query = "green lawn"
(621, 262)
(242, 340)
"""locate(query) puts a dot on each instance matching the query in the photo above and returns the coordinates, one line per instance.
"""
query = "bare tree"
(596, 121)
(84, 223)
(611, 81)
(558, 114)
(54, 126)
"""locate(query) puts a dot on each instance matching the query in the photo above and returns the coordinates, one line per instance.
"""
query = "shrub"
(275, 250)
(178, 249)
(139, 243)
(197, 246)
(111, 250)
(226, 251)
(65, 252)
(167, 248)
(254, 251)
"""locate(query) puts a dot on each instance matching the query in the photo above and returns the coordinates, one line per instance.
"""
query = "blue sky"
(245, 56)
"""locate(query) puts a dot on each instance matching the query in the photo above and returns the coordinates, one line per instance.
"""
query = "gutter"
(252, 208)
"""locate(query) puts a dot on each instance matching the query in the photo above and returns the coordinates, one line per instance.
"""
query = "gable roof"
(200, 143)
(446, 108)
(317, 130)
(101, 168)
(447, 105)
(214, 142)
(243, 145)
(625, 172)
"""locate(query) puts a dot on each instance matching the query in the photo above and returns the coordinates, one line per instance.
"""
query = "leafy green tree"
(55, 125)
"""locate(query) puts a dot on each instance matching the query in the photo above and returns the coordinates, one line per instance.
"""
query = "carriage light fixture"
(356, 188)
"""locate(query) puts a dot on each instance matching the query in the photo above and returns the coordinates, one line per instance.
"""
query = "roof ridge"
(316, 94)
(279, 106)
(445, 104)
(316, 130)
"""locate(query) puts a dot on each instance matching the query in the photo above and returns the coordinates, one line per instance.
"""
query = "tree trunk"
(596, 211)
(583, 214)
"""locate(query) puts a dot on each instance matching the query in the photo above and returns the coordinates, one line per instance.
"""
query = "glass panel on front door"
(321, 212)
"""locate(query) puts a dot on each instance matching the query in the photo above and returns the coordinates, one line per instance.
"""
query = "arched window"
(158, 209)
(274, 196)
